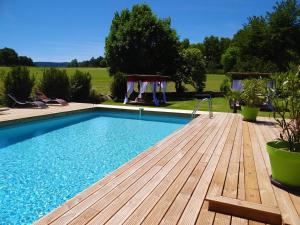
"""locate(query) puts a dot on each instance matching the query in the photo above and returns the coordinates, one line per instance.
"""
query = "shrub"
(96, 98)
(55, 83)
(118, 86)
(254, 92)
(287, 105)
(80, 86)
(19, 83)
(225, 86)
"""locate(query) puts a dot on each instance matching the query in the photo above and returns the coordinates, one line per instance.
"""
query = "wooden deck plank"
(245, 209)
(205, 217)
(251, 185)
(231, 177)
(183, 195)
(231, 188)
(251, 182)
(215, 188)
(193, 207)
(265, 188)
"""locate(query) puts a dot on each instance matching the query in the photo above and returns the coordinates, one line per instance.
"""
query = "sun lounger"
(42, 97)
(19, 103)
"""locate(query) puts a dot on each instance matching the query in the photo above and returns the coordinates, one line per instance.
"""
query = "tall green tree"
(230, 58)
(8, 57)
(25, 61)
(73, 63)
(284, 28)
(212, 52)
(192, 68)
(270, 43)
(141, 43)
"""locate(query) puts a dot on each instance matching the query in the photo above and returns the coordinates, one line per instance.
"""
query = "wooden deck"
(220, 159)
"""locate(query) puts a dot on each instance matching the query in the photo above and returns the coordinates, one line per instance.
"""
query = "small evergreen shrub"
(55, 83)
(18, 83)
(80, 86)
(118, 87)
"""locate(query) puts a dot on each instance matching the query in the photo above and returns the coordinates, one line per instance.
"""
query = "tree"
(25, 61)
(270, 43)
(284, 23)
(141, 43)
(193, 68)
(185, 43)
(73, 63)
(254, 39)
(8, 57)
(229, 58)
(224, 44)
(212, 52)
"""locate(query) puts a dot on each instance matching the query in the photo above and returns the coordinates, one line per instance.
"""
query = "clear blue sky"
(60, 30)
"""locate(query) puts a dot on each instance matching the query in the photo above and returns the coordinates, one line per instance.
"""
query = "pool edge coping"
(96, 107)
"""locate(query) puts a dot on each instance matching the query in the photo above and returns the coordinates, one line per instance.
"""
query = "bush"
(55, 83)
(118, 86)
(80, 86)
(287, 105)
(225, 86)
(96, 98)
(19, 83)
(254, 92)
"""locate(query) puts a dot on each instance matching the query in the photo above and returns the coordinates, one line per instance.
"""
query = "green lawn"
(100, 77)
(101, 82)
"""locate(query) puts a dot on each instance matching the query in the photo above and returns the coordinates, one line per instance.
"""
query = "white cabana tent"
(154, 80)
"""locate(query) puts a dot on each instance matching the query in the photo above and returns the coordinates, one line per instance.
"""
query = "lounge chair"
(42, 97)
(19, 103)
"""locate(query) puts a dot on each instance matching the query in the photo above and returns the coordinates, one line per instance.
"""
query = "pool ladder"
(197, 106)
(141, 110)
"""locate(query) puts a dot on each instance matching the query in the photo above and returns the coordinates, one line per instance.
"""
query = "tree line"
(93, 62)
(141, 43)
(9, 57)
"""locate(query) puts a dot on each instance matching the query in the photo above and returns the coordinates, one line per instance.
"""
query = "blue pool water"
(46, 162)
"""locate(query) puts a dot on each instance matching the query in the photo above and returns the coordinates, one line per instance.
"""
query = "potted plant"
(252, 96)
(284, 153)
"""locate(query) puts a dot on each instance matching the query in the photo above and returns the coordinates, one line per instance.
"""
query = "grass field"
(101, 80)
(101, 83)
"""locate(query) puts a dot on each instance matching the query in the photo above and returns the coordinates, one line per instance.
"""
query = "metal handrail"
(197, 106)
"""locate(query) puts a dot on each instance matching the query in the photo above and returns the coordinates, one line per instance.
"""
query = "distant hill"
(51, 64)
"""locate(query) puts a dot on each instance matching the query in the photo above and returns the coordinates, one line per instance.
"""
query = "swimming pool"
(46, 162)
